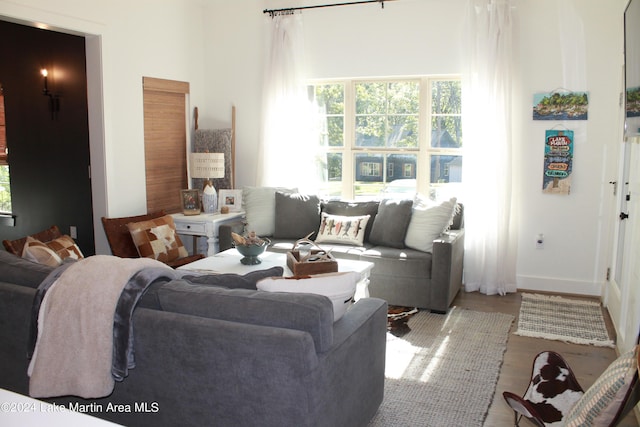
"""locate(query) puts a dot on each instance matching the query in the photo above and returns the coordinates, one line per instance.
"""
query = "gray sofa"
(401, 275)
(219, 356)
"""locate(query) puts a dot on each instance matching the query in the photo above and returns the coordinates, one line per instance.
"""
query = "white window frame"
(424, 152)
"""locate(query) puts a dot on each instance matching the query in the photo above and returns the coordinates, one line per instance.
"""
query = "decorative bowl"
(251, 252)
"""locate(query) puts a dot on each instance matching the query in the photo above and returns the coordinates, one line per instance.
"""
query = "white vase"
(209, 199)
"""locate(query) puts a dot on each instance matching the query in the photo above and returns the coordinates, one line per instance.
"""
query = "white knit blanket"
(74, 350)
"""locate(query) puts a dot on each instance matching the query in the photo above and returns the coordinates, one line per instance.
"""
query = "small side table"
(206, 225)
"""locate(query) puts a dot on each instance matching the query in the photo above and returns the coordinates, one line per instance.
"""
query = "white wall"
(126, 40)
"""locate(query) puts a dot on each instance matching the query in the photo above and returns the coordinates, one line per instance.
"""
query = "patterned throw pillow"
(601, 402)
(36, 251)
(157, 239)
(342, 229)
(65, 247)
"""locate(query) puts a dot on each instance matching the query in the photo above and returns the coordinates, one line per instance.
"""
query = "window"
(5, 188)
(410, 129)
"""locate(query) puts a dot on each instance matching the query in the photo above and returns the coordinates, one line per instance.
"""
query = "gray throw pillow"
(296, 215)
(391, 223)
(343, 208)
(235, 281)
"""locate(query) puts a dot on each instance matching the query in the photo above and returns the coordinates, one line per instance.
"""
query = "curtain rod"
(273, 12)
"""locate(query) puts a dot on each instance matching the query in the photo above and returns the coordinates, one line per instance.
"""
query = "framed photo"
(232, 199)
(190, 202)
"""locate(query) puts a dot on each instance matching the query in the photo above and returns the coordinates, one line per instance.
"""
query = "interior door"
(617, 290)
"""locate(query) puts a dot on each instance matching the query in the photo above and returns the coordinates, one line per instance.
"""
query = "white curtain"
(490, 244)
(285, 155)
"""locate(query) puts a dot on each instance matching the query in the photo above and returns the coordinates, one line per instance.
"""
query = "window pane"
(334, 132)
(334, 167)
(403, 131)
(5, 190)
(329, 101)
(370, 131)
(446, 169)
(330, 98)
(404, 97)
(371, 98)
(369, 175)
(446, 97)
(446, 132)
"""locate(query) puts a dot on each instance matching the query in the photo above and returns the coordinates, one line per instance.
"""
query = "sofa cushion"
(157, 238)
(344, 208)
(296, 216)
(259, 204)
(338, 287)
(304, 312)
(391, 223)
(20, 271)
(428, 221)
(342, 229)
(235, 281)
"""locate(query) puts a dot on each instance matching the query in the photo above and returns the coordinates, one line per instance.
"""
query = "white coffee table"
(229, 262)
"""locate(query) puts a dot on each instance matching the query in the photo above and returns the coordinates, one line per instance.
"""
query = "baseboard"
(553, 284)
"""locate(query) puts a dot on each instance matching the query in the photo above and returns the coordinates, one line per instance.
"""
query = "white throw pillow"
(338, 287)
(428, 221)
(259, 203)
(348, 230)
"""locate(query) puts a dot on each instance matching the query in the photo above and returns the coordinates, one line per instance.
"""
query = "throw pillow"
(428, 221)
(157, 238)
(235, 281)
(391, 223)
(338, 287)
(259, 204)
(36, 251)
(340, 207)
(65, 247)
(601, 402)
(297, 215)
(342, 229)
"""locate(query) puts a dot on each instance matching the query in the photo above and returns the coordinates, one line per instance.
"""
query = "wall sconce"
(54, 100)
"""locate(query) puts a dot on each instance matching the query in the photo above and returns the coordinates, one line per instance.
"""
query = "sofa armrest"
(224, 234)
(446, 269)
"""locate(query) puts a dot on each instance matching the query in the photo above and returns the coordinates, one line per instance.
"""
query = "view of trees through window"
(389, 137)
(5, 189)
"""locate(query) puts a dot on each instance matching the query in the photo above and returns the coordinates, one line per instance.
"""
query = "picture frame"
(231, 199)
(190, 200)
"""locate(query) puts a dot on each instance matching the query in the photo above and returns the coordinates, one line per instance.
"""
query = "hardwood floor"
(587, 362)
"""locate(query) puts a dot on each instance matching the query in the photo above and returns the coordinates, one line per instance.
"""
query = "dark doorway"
(47, 132)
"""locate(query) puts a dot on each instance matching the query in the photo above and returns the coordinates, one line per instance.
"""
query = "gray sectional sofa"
(210, 355)
(428, 277)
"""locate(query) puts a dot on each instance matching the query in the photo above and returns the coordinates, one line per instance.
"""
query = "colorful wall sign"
(558, 161)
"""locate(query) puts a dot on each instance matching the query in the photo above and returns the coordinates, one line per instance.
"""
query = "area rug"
(443, 372)
(563, 319)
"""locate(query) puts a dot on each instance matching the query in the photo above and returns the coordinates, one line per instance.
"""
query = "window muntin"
(411, 129)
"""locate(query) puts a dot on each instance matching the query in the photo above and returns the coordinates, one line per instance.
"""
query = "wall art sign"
(558, 161)
(561, 106)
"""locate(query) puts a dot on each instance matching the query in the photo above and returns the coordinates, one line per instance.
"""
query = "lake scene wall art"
(561, 106)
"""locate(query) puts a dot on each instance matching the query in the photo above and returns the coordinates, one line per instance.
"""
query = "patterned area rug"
(563, 319)
(443, 372)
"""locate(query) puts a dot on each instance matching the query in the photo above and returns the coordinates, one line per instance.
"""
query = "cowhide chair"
(554, 398)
